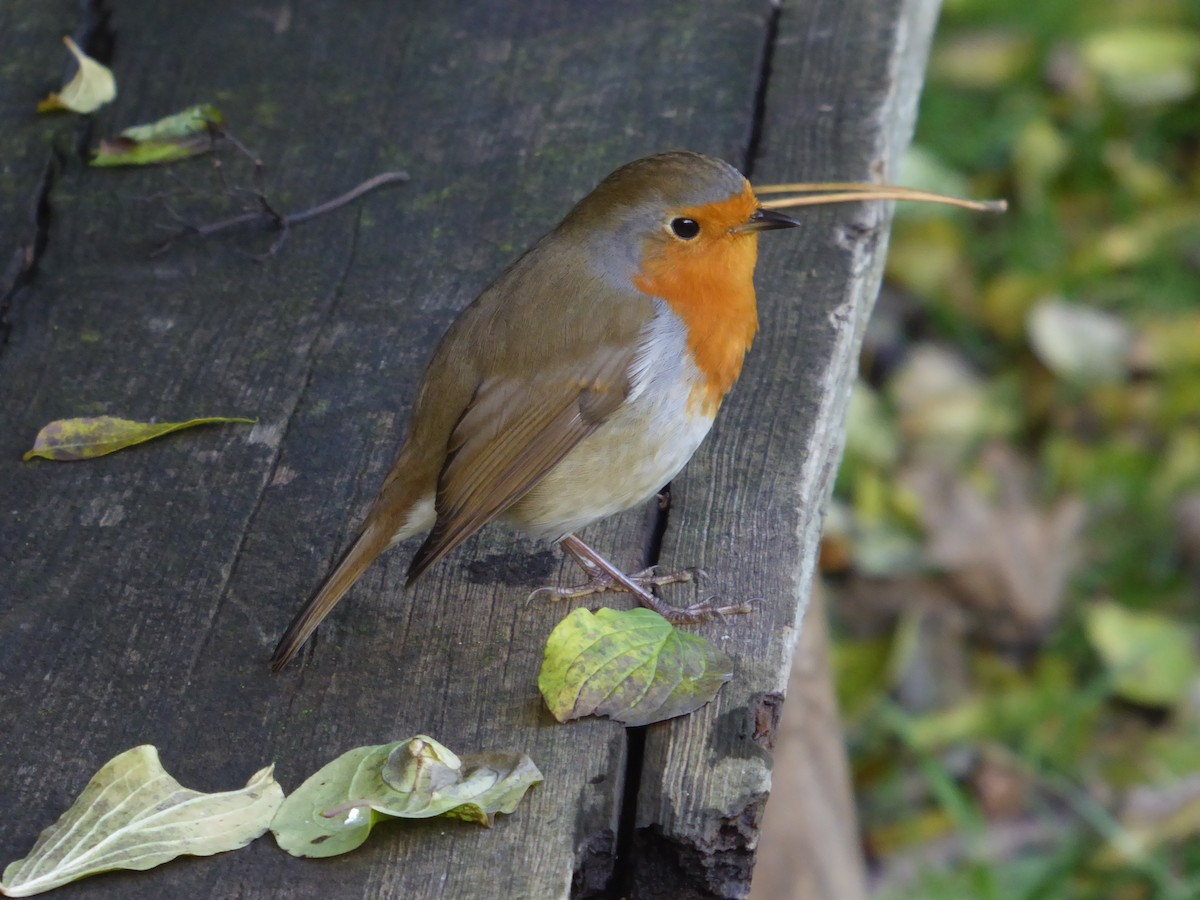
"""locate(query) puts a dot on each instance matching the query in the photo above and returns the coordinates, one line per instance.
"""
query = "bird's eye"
(685, 228)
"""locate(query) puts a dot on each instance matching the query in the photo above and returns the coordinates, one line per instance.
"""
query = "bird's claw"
(600, 582)
(706, 611)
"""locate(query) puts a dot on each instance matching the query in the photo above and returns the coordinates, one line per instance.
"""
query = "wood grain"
(840, 105)
(140, 594)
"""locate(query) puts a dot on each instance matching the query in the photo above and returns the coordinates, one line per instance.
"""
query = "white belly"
(633, 454)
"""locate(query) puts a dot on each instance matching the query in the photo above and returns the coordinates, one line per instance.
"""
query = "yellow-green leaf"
(92, 86)
(87, 438)
(334, 810)
(871, 438)
(1145, 64)
(133, 815)
(175, 137)
(1151, 658)
(981, 60)
(631, 665)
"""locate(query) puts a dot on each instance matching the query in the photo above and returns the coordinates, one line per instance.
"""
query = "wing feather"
(514, 431)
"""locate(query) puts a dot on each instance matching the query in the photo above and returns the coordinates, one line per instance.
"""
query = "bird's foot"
(704, 611)
(604, 576)
(599, 582)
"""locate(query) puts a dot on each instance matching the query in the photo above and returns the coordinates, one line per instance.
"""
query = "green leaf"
(187, 133)
(1145, 65)
(92, 86)
(133, 815)
(1040, 153)
(861, 670)
(335, 809)
(87, 438)
(1151, 658)
(630, 665)
(871, 437)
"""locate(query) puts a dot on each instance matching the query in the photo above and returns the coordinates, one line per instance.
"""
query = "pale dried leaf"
(92, 86)
(133, 815)
(1003, 554)
(1080, 344)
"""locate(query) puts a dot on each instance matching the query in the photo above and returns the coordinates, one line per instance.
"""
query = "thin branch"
(349, 197)
(267, 215)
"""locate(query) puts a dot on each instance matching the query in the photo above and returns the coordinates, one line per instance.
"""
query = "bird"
(579, 383)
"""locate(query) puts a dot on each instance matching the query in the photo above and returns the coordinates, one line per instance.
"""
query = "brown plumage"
(581, 380)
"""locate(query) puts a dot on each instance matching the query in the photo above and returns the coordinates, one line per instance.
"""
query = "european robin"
(580, 382)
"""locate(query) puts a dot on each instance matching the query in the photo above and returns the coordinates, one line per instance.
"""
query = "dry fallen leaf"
(944, 408)
(1080, 344)
(92, 86)
(86, 438)
(1005, 556)
(133, 815)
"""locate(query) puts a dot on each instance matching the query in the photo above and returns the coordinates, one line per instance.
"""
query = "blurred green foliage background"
(1014, 547)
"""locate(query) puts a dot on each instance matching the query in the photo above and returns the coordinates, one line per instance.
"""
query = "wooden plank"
(142, 593)
(34, 58)
(840, 106)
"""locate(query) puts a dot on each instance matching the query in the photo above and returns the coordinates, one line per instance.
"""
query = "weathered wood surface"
(140, 595)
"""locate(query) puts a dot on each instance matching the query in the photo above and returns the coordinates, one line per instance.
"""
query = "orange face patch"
(709, 283)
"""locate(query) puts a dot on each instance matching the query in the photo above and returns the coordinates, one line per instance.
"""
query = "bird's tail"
(369, 544)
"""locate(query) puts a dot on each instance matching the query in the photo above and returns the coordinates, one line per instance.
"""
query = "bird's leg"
(599, 581)
(604, 576)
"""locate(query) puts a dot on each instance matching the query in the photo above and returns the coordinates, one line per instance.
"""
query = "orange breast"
(709, 283)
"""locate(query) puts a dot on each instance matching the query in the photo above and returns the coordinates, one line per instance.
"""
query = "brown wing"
(515, 430)
(495, 413)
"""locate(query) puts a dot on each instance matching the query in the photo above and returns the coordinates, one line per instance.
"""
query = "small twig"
(280, 238)
(217, 227)
(263, 212)
(260, 183)
(241, 148)
(219, 170)
(349, 197)
(267, 215)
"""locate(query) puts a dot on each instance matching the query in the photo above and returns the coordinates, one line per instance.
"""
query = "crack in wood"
(629, 838)
(96, 38)
(766, 56)
(22, 265)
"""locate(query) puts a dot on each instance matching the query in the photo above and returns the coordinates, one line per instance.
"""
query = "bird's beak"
(766, 220)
